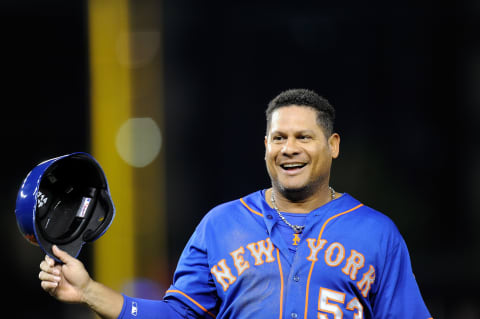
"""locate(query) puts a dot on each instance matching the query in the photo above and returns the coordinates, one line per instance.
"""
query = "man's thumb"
(62, 255)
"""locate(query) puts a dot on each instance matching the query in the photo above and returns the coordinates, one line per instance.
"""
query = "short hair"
(307, 98)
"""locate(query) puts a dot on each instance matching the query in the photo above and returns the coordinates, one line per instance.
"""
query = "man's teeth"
(293, 165)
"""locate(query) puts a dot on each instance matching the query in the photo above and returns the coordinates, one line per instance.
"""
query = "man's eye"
(278, 138)
(305, 137)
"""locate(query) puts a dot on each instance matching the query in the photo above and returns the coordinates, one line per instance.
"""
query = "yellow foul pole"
(127, 126)
(111, 106)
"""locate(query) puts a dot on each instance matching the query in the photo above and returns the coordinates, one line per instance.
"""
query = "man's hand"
(70, 282)
(67, 282)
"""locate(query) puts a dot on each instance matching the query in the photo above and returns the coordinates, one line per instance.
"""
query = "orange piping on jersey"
(281, 284)
(196, 303)
(313, 262)
(253, 211)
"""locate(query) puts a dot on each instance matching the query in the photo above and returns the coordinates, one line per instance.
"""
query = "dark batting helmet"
(64, 201)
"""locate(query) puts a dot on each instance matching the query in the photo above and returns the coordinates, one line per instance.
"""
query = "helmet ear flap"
(101, 218)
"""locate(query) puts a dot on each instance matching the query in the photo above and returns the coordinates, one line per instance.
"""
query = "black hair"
(307, 98)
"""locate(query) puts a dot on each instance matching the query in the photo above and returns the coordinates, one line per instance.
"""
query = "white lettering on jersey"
(355, 262)
(366, 282)
(262, 250)
(238, 260)
(224, 276)
(314, 249)
(339, 257)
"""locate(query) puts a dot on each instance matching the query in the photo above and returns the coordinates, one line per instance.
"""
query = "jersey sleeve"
(193, 283)
(398, 296)
(154, 309)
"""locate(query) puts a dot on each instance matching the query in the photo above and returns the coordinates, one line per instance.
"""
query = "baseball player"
(296, 250)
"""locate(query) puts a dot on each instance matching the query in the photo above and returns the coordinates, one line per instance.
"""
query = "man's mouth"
(292, 166)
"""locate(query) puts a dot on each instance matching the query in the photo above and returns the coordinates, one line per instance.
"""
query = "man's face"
(297, 153)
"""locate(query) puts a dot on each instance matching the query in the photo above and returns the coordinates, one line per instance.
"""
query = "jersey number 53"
(329, 300)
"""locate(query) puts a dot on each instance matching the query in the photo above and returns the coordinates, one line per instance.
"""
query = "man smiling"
(296, 250)
(299, 154)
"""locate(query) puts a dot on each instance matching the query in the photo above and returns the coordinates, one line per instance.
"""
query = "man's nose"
(290, 147)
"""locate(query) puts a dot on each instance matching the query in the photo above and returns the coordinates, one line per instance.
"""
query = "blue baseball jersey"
(350, 262)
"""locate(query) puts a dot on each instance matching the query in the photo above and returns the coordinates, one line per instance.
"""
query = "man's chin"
(295, 193)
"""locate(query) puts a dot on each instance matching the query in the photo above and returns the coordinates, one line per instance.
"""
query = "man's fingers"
(48, 282)
(45, 266)
(49, 268)
(45, 276)
(49, 260)
(49, 286)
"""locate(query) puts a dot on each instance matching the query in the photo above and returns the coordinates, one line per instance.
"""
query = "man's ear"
(265, 142)
(334, 144)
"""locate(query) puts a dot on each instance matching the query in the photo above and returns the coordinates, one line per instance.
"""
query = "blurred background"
(170, 95)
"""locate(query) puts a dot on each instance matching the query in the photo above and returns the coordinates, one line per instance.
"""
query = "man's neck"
(317, 199)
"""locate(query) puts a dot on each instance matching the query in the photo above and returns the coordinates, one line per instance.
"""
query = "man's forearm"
(106, 302)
